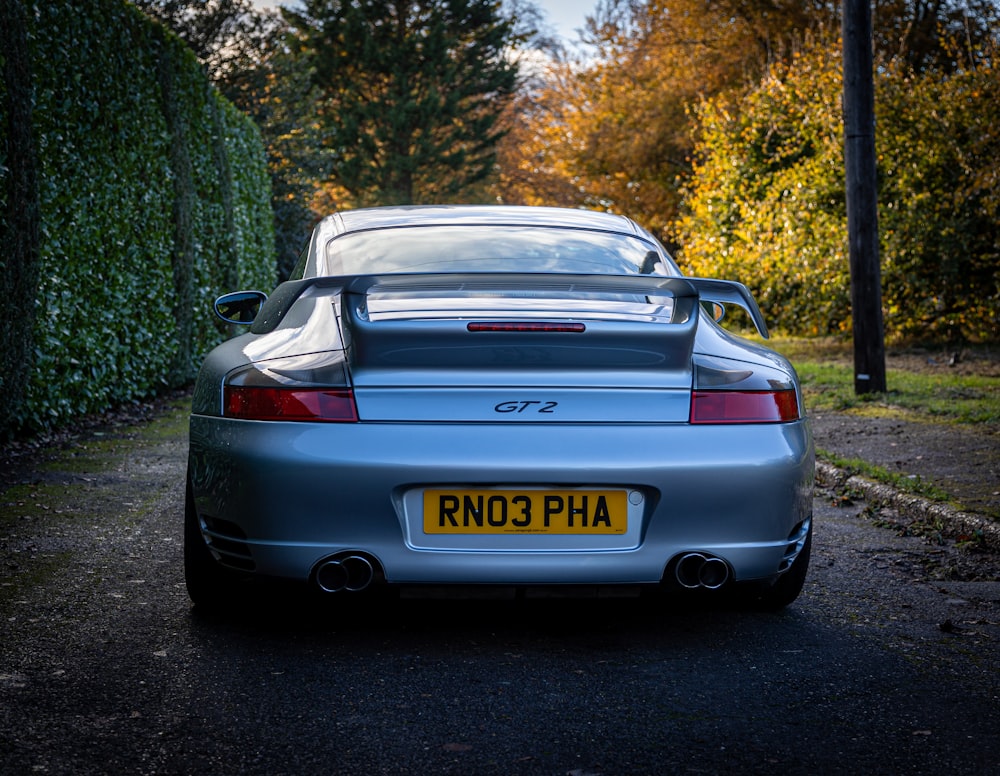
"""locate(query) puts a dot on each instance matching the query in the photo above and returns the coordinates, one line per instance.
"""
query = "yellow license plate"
(525, 512)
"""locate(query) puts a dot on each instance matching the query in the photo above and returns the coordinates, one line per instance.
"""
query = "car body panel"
(345, 487)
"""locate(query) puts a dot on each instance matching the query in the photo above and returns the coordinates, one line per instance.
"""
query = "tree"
(939, 199)
(532, 157)
(766, 201)
(619, 125)
(227, 36)
(412, 93)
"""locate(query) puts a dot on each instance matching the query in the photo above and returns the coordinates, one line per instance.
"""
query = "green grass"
(948, 398)
(904, 483)
(827, 375)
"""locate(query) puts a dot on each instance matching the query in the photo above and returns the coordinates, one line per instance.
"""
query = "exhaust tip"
(331, 576)
(697, 570)
(688, 570)
(359, 572)
(714, 573)
(351, 573)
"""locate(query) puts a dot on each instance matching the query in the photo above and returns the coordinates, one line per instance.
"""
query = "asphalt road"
(882, 666)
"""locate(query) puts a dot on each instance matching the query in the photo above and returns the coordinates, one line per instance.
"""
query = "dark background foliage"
(411, 93)
(150, 195)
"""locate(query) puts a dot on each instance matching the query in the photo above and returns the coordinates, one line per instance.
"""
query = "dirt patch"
(96, 481)
(978, 360)
(962, 461)
(983, 361)
(24, 460)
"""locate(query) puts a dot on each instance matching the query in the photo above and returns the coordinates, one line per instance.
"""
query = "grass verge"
(914, 485)
(922, 386)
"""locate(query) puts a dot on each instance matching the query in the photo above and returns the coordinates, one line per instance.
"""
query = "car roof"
(475, 215)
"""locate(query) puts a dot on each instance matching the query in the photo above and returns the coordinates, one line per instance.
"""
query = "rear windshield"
(493, 249)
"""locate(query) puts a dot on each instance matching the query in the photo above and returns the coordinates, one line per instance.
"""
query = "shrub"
(766, 201)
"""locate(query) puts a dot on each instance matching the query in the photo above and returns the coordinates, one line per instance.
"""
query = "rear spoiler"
(730, 292)
(687, 292)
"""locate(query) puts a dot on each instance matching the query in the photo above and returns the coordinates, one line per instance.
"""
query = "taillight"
(744, 406)
(267, 403)
(312, 387)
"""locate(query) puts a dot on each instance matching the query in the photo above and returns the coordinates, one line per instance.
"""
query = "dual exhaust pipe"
(698, 570)
(350, 573)
(354, 573)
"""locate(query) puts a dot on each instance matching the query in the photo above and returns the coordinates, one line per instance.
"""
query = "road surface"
(888, 663)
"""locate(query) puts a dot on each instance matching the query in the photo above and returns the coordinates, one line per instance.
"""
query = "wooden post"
(862, 203)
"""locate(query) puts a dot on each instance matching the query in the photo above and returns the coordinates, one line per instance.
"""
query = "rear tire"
(208, 584)
(786, 588)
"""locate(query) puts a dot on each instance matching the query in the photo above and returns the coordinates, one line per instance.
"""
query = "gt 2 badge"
(526, 406)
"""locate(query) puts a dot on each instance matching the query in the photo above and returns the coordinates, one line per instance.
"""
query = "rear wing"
(685, 292)
(730, 292)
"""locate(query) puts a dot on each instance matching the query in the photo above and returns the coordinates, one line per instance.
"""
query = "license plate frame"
(582, 512)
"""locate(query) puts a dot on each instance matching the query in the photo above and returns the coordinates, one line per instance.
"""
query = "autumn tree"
(411, 93)
(617, 124)
(765, 203)
(615, 129)
(533, 166)
(939, 208)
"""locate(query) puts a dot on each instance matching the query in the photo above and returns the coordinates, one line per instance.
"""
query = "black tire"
(209, 585)
(785, 589)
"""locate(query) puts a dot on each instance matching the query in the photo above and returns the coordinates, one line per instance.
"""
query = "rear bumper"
(292, 494)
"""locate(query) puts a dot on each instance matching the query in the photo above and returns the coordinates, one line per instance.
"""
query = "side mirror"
(240, 307)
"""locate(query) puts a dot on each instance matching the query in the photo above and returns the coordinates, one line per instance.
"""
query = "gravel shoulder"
(963, 461)
(958, 463)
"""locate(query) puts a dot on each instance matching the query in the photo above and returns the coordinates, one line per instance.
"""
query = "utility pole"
(862, 203)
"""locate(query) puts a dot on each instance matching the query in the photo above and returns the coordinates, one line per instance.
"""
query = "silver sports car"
(495, 396)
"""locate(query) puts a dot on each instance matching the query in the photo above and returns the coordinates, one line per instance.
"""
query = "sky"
(566, 16)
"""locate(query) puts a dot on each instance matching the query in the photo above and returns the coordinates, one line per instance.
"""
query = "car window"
(492, 249)
(298, 272)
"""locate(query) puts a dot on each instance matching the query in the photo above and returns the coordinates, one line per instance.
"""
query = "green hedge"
(153, 198)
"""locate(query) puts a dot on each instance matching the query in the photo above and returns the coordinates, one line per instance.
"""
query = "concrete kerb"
(911, 508)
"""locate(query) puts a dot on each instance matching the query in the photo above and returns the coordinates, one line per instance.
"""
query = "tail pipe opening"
(345, 573)
(698, 570)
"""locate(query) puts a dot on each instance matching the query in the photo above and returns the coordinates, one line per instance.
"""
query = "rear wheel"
(208, 584)
(786, 588)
